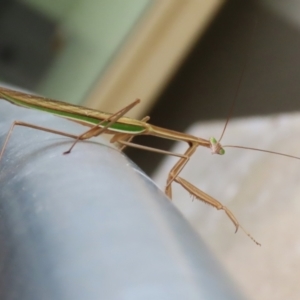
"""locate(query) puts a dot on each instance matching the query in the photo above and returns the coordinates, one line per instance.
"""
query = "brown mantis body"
(124, 130)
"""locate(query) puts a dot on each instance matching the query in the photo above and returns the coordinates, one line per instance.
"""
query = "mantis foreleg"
(197, 193)
(200, 195)
(178, 167)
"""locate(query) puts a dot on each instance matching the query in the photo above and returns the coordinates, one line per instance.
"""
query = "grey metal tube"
(91, 225)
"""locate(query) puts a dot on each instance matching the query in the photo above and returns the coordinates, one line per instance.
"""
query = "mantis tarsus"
(124, 130)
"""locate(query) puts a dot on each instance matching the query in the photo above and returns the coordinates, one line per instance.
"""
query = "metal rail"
(91, 225)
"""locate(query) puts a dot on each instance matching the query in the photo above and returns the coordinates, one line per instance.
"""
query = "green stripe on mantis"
(118, 127)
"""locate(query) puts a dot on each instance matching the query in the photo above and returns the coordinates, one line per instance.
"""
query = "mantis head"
(216, 147)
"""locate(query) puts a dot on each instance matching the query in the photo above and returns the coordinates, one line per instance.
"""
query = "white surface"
(263, 192)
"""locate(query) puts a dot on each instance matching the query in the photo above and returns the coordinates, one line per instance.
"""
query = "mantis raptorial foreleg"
(178, 167)
(200, 195)
(197, 193)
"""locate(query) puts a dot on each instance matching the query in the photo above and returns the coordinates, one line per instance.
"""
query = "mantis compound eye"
(221, 151)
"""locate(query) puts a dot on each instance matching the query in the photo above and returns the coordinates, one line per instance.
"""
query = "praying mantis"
(123, 130)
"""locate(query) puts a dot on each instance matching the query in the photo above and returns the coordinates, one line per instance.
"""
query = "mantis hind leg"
(97, 130)
(33, 126)
(94, 131)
